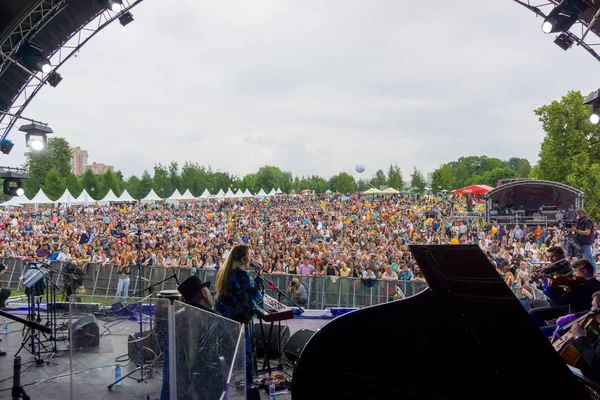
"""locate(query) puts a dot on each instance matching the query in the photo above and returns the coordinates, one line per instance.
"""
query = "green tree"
(73, 184)
(110, 181)
(90, 183)
(54, 185)
(417, 181)
(133, 187)
(442, 178)
(362, 185)
(57, 156)
(379, 179)
(174, 177)
(146, 185)
(161, 182)
(318, 184)
(343, 183)
(394, 177)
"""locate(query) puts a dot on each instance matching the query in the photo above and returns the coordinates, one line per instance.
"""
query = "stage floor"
(94, 371)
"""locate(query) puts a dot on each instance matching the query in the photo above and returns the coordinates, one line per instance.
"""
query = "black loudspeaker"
(86, 333)
(4, 295)
(277, 341)
(150, 343)
(294, 346)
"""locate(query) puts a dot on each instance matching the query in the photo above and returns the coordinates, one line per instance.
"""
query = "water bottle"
(118, 374)
(5, 327)
(271, 389)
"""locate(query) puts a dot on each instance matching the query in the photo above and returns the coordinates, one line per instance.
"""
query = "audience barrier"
(322, 291)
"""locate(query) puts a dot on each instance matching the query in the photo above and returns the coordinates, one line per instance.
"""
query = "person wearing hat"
(196, 293)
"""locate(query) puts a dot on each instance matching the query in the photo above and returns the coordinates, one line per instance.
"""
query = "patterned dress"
(239, 305)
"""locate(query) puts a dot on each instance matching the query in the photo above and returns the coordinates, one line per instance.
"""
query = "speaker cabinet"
(85, 333)
(278, 340)
(294, 346)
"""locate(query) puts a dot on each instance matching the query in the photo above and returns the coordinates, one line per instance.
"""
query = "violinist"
(574, 300)
(559, 265)
(590, 352)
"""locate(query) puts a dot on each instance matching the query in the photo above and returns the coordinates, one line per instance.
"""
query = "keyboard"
(273, 310)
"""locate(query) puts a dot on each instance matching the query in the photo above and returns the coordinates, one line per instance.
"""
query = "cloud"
(313, 87)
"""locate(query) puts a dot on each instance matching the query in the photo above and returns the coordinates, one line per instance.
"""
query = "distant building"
(79, 160)
(99, 168)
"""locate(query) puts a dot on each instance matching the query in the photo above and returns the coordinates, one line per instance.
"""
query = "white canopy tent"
(126, 197)
(261, 193)
(39, 198)
(205, 195)
(278, 191)
(247, 193)
(229, 193)
(152, 196)
(110, 197)
(66, 198)
(175, 197)
(221, 193)
(239, 193)
(16, 201)
(187, 196)
(271, 193)
(85, 198)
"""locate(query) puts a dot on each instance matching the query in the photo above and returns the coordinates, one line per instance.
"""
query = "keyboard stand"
(267, 344)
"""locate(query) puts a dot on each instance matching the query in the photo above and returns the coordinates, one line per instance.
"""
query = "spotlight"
(113, 5)
(13, 181)
(35, 136)
(6, 146)
(54, 79)
(32, 57)
(594, 100)
(126, 18)
(563, 16)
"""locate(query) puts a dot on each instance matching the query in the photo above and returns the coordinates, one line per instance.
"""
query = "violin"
(564, 344)
(566, 282)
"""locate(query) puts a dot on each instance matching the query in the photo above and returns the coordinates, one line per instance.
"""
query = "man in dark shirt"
(574, 300)
(590, 352)
(43, 252)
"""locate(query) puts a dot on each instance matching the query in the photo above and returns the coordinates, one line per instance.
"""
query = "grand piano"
(464, 337)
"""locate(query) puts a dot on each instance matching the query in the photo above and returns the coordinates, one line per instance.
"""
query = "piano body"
(464, 337)
(272, 310)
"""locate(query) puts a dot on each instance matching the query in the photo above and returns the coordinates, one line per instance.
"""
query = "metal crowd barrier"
(322, 291)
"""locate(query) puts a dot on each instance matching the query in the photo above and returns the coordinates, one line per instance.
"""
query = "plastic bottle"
(5, 327)
(118, 374)
(271, 389)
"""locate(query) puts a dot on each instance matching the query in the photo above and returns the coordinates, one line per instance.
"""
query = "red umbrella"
(474, 189)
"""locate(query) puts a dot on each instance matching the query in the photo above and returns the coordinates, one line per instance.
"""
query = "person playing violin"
(590, 352)
(575, 300)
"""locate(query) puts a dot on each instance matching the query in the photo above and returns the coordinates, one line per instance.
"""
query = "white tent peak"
(110, 197)
(66, 198)
(205, 195)
(261, 193)
(152, 196)
(39, 198)
(126, 197)
(272, 192)
(85, 198)
(187, 195)
(278, 191)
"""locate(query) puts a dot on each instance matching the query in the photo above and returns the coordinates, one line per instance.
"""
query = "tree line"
(51, 171)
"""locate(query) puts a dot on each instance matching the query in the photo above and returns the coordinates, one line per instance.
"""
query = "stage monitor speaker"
(150, 343)
(86, 333)
(294, 346)
(278, 341)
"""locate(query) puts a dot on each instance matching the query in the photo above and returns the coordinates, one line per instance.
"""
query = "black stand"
(30, 334)
(17, 390)
(145, 370)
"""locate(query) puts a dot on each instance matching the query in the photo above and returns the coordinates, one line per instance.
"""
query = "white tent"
(221, 193)
(247, 193)
(261, 193)
(205, 195)
(126, 197)
(66, 198)
(278, 191)
(229, 193)
(271, 193)
(16, 201)
(187, 196)
(110, 197)
(175, 197)
(84, 198)
(152, 196)
(239, 193)
(39, 198)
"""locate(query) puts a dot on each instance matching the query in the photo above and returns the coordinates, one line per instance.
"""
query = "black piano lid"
(465, 337)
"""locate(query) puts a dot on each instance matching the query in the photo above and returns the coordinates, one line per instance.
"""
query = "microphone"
(566, 319)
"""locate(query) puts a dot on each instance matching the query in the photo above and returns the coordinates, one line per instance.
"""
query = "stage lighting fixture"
(564, 41)
(594, 100)
(113, 5)
(126, 18)
(54, 79)
(35, 136)
(33, 58)
(13, 181)
(563, 16)
(6, 146)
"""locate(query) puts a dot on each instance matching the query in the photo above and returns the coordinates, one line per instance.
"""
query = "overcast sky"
(312, 86)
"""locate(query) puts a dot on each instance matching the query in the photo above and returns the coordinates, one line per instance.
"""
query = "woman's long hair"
(233, 261)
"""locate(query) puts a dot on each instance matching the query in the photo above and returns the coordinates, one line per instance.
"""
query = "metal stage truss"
(60, 28)
(588, 21)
